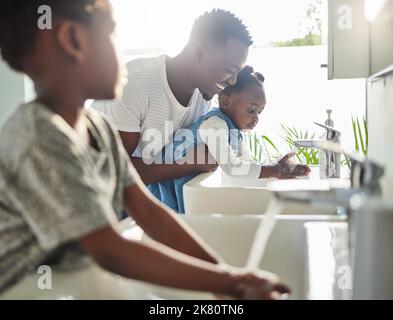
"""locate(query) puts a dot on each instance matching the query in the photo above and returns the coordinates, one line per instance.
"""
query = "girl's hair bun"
(248, 70)
(246, 77)
(259, 76)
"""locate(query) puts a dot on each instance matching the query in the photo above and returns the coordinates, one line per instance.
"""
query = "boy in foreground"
(65, 176)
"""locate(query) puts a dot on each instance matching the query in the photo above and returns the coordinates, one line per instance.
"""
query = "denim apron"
(171, 192)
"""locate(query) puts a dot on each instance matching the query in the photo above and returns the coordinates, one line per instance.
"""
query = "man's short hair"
(218, 25)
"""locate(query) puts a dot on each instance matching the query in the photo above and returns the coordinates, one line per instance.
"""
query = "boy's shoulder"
(18, 133)
(101, 122)
(31, 125)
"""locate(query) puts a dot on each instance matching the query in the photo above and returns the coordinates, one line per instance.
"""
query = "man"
(164, 94)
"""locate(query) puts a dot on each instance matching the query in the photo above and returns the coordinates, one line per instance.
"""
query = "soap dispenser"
(329, 163)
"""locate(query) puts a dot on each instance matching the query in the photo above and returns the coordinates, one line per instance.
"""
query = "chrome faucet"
(365, 180)
(364, 186)
(329, 162)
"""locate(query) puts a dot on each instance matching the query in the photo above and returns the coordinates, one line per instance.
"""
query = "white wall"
(299, 92)
(14, 90)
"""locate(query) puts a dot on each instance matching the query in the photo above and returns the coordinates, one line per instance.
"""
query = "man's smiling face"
(218, 66)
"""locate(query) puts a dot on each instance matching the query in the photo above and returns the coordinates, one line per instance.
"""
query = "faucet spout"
(365, 174)
(318, 144)
(330, 152)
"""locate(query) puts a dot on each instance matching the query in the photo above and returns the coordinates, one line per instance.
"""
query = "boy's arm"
(153, 173)
(156, 264)
(163, 225)
(161, 265)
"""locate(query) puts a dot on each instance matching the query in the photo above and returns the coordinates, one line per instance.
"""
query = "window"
(297, 88)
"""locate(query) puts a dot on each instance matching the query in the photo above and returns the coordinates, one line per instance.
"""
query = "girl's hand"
(285, 169)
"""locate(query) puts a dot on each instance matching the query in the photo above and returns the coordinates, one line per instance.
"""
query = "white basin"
(286, 251)
(217, 193)
(230, 236)
(85, 284)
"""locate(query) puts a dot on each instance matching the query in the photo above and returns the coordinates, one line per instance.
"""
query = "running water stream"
(263, 233)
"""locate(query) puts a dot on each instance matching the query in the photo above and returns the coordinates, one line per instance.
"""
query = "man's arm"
(163, 225)
(153, 173)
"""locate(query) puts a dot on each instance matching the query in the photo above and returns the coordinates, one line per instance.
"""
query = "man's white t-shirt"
(149, 106)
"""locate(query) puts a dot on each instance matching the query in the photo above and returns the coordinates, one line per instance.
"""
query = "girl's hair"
(19, 27)
(245, 79)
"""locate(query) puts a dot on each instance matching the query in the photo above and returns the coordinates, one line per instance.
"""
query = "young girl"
(221, 131)
(65, 177)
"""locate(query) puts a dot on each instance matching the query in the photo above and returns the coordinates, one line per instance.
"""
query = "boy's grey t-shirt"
(54, 188)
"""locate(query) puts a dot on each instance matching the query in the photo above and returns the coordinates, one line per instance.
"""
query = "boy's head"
(70, 45)
(244, 101)
(219, 44)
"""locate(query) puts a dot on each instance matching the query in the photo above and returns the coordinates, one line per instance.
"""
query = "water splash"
(263, 233)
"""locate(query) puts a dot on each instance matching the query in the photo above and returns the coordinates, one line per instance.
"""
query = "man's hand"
(201, 157)
(285, 169)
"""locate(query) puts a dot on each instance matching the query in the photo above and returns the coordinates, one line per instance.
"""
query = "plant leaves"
(355, 134)
(360, 136)
(365, 133)
(270, 142)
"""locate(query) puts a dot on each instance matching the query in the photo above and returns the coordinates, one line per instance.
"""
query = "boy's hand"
(260, 285)
(257, 285)
(285, 169)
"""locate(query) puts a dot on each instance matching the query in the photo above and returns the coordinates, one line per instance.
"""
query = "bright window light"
(165, 25)
(297, 88)
(372, 8)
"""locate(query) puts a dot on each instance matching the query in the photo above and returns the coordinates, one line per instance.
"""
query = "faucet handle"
(332, 133)
(328, 128)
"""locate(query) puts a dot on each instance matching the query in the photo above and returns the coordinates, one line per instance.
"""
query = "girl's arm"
(215, 134)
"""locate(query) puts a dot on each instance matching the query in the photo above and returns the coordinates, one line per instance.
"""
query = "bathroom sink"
(230, 235)
(218, 193)
(89, 283)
